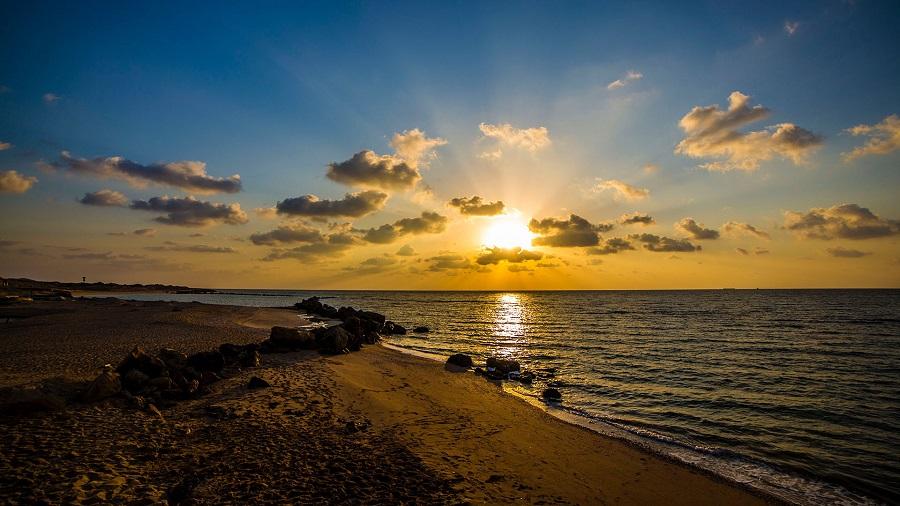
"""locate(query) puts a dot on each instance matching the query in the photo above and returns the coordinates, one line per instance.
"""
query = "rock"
(503, 366)
(134, 380)
(393, 328)
(139, 360)
(372, 337)
(257, 382)
(526, 377)
(173, 359)
(249, 358)
(106, 384)
(355, 329)
(27, 401)
(479, 371)
(421, 330)
(162, 383)
(212, 361)
(291, 339)
(461, 360)
(209, 377)
(552, 394)
(333, 340)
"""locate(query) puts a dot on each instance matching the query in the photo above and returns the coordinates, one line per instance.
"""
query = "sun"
(507, 231)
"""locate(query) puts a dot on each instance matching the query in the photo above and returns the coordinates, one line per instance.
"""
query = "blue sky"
(275, 92)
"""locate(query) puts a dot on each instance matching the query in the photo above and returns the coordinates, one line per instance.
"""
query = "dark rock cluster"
(370, 321)
(496, 368)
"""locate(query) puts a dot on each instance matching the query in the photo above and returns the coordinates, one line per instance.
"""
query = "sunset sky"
(452, 145)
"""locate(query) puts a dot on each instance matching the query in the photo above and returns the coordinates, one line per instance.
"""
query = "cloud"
(186, 175)
(842, 221)
(883, 138)
(790, 27)
(5, 145)
(610, 246)
(50, 98)
(352, 205)
(449, 262)
(622, 189)
(287, 234)
(427, 223)
(104, 198)
(415, 147)
(373, 265)
(696, 231)
(565, 233)
(650, 169)
(406, 251)
(663, 244)
(266, 213)
(519, 268)
(529, 139)
(13, 182)
(840, 252)
(742, 251)
(190, 212)
(711, 132)
(368, 169)
(475, 206)
(620, 83)
(191, 248)
(516, 255)
(735, 228)
(760, 251)
(636, 219)
(333, 245)
(145, 232)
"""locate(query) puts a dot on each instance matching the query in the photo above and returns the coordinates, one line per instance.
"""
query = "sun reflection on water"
(509, 325)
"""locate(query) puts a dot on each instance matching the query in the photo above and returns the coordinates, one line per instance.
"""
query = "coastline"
(451, 435)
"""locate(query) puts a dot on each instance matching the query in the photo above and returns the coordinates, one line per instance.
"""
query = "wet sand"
(372, 427)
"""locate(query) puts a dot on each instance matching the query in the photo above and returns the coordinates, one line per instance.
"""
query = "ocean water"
(795, 392)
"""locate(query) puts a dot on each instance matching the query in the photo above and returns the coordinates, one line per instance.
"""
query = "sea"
(792, 392)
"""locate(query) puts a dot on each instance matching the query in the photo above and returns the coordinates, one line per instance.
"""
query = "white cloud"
(50, 98)
(529, 139)
(883, 138)
(622, 189)
(13, 182)
(790, 27)
(620, 83)
(415, 147)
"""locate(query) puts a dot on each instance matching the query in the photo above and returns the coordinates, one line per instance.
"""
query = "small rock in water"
(421, 330)
(257, 382)
(461, 360)
(552, 394)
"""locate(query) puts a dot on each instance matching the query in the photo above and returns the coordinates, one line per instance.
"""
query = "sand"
(372, 427)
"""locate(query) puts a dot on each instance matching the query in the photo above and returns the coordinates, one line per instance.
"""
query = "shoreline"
(460, 437)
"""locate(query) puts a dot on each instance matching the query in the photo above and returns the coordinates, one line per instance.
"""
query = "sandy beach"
(372, 427)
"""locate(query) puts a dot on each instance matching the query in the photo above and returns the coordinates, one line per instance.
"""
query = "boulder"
(291, 339)
(162, 383)
(393, 328)
(503, 366)
(134, 380)
(106, 384)
(26, 401)
(257, 382)
(212, 361)
(461, 360)
(421, 330)
(333, 340)
(526, 377)
(354, 327)
(551, 394)
(249, 358)
(173, 359)
(209, 377)
(372, 337)
(139, 360)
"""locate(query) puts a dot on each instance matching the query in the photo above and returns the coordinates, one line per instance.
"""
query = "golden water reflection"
(510, 317)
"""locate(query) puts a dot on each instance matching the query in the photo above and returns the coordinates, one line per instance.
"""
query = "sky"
(452, 145)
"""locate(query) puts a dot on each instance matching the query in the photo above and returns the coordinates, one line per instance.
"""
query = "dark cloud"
(843, 221)
(696, 231)
(332, 247)
(611, 246)
(519, 268)
(663, 244)
(636, 219)
(106, 198)
(287, 234)
(711, 132)
(187, 175)
(450, 262)
(374, 265)
(742, 251)
(191, 248)
(190, 212)
(427, 223)
(512, 255)
(406, 251)
(567, 233)
(368, 169)
(353, 205)
(145, 232)
(840, 252)
(476, 206)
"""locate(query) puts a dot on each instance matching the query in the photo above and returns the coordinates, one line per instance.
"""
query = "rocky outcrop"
(257, 382)
(284, 339)
(460, 360)
(421, 330)
(28, 401)
(105, 385)
(333, 340)
(551, 394)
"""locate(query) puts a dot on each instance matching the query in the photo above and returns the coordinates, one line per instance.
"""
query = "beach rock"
(551, 394)
(173, 359)
(333, 340)
(208, 378)
(354, 327)
(27, 401)
(139, 360)
(393, 328)
(212, 361)
(249, 358)
(291, 339)
(461, 360)
(372, 337)
(526, 377)
(421, 330)
(106, 384)
(162, 383)
(502, 366)
(134, 380)
(257, 382)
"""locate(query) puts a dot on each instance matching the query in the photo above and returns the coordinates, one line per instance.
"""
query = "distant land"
(25, 286)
